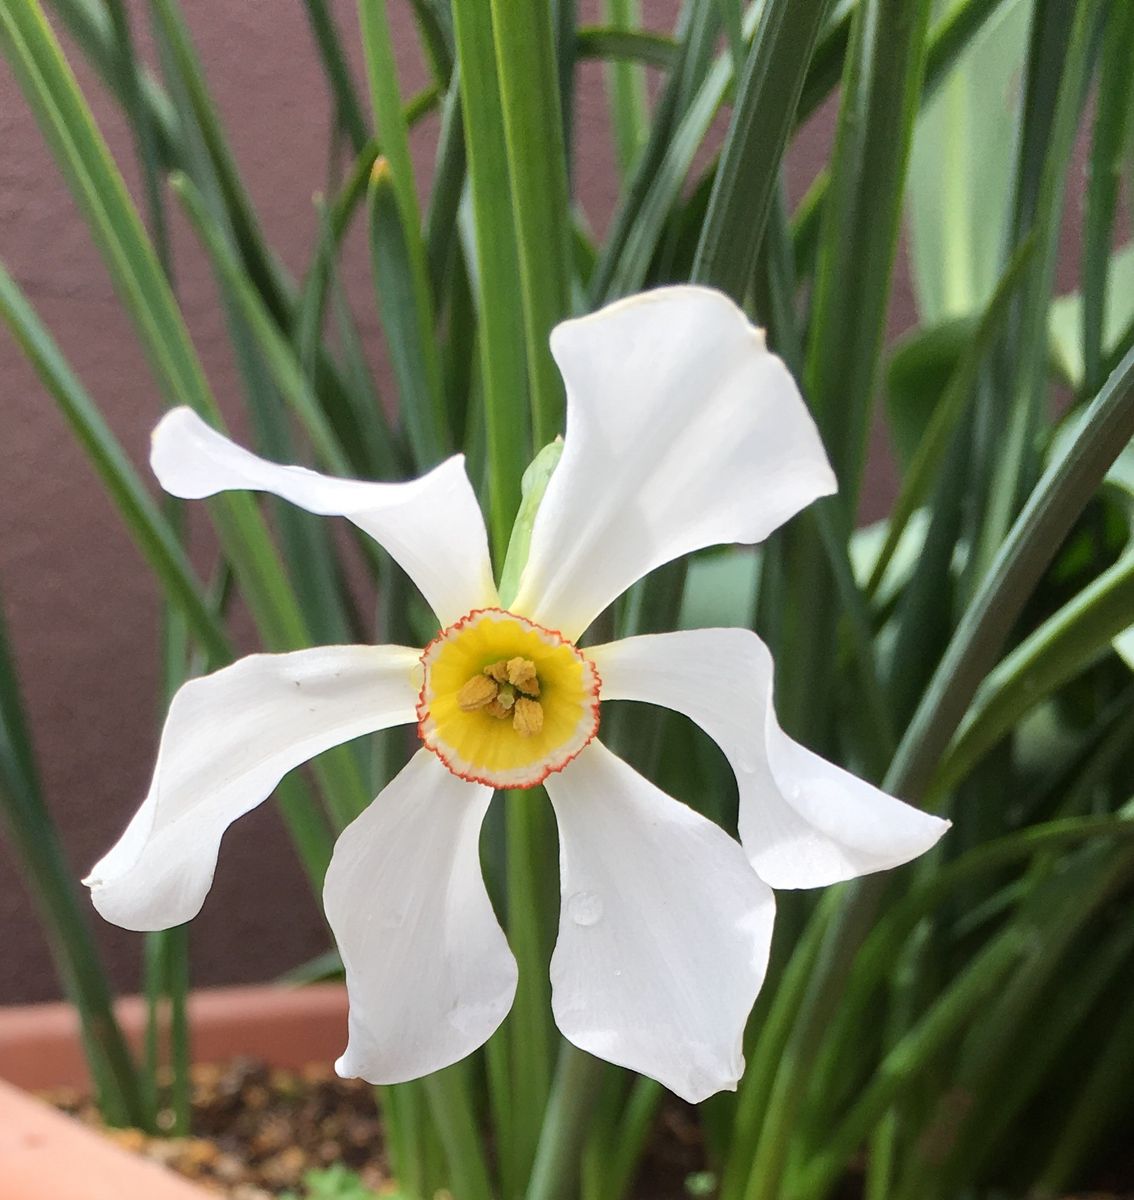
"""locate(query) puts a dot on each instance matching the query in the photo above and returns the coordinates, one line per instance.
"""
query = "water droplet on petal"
(585, 908)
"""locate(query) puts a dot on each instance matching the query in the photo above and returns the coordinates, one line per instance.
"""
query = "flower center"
(506, 702)
(508, 691)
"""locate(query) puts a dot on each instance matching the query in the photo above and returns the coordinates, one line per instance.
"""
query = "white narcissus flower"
(682, 432)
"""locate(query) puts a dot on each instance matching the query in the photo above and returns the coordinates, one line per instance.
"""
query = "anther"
(479, 692)
(527, 720)
(497, 671)
(522, 676)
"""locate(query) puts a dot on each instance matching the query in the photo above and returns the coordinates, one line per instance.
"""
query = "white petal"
(429, 972)
(803, 821)
(683, 431)
(664, 929)
(431, 526)
(229, 738)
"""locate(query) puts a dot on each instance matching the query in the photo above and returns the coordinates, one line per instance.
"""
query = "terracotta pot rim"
(45, 1155)
(284, 1026)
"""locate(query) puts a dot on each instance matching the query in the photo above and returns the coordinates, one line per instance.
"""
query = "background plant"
(964, 1021)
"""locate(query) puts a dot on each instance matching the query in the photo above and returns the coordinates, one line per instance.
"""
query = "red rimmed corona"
(505, 702)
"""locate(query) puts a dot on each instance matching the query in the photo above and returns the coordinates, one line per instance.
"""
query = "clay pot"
(45, 1155)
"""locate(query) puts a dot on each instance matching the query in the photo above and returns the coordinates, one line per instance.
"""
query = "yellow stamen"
(497, 671)
(528, 718)
(519, 672)
(522, 676)
(479, 692)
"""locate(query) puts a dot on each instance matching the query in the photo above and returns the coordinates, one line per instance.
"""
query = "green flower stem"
(166, 953)
(626, 85)
(762, 118)
(625, 45)
(528, 841)
(880, 738)
(503, 363)
(859, 231)
(386, 106)
(852, 912)
(403, 1121)
(578, 1076)
(501, 1106)
(528, 72)
(1059, 70)
(452, 1110)
(404, 307)
(405, 246)
(948, 38)
(167, 992)
(93, 29)
(633, 1131)
(376, 452)
(141, 116)
(686, 65)
(441, 217)
(348, 110)
(153, 960)
(881, 93)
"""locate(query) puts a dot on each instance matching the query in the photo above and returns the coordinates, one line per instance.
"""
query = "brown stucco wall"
(82, 609)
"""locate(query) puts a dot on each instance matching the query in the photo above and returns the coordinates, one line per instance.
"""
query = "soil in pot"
(257, 1131)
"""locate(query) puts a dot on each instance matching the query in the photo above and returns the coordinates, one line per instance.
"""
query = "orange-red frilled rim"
(505, 728)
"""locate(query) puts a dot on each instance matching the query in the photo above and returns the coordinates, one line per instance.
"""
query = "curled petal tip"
(343, 1069)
